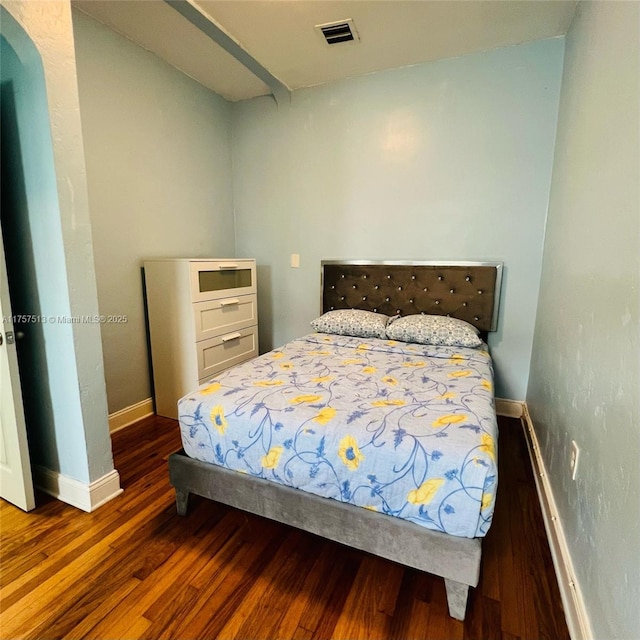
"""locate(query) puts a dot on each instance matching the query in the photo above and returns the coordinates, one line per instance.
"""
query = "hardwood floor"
(135, 569)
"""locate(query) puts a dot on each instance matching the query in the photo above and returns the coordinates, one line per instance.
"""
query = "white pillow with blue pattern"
(352, 322)
(437, 330)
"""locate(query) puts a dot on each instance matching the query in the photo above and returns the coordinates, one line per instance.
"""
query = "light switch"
(295, 260)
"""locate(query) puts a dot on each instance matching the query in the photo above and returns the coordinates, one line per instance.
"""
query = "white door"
(16, 484)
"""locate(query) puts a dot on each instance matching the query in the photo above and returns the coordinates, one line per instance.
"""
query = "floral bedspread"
(404, 429)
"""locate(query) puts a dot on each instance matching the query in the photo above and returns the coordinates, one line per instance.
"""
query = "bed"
(364, 431)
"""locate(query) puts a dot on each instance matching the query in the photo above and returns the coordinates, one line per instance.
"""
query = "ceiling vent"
(342, 31)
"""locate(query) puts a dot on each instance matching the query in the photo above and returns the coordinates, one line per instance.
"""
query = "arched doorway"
(47, 241)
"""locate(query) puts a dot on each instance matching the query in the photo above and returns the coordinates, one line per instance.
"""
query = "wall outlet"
(573, 461)
(295, 260)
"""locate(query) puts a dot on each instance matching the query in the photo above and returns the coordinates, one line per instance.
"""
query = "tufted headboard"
(466, 290)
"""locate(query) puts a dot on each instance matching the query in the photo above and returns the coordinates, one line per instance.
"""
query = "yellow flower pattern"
(325, 415)
(268, 383)
(350, 453)
(305, 398)
(426, 492)
(389, 403)
(398, 428)
(217, 419)
(271, 459)
(488, 446)
(450, 418)
(460, 374)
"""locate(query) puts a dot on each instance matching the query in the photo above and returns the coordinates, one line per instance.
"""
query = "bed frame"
(465, 290)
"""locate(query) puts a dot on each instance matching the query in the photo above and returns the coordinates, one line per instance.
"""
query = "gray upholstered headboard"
(466, 290)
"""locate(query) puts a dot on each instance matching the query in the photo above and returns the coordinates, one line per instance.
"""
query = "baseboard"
(509, 408)
(129, 415)
(570, 592)
(87, 497)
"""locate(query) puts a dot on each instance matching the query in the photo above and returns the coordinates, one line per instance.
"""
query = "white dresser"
(203, 319)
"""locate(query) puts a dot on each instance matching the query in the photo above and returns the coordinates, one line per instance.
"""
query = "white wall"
(73, 440)
(158, 154)
(584, 382)
(449, 160)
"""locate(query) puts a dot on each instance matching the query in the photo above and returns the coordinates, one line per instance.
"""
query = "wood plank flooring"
(135, 569)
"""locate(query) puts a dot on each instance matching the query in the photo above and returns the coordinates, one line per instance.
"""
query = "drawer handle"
(231, 336)
(226, 303)
(228, 266)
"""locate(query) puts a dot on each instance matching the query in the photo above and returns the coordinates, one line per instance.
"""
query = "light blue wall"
(585, 382)
(35, 257)
(158, 153)
(68, 433)
(449, 160)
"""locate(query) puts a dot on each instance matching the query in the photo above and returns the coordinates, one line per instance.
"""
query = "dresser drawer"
(216, 317)
(227, 350)
(216, 279)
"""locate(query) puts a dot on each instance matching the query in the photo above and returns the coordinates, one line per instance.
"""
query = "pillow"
(439, 330)
(352, 322)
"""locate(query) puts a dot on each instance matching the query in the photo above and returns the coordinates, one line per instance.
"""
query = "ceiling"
(279, 35)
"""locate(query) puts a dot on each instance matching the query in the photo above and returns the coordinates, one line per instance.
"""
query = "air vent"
(343, 31)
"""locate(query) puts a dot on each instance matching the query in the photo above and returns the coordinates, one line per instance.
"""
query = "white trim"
(572, 600)
(509, 408)
(129, 415)
(87, 497)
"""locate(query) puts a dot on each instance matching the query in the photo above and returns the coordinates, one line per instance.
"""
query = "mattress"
(403, 429)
